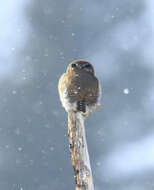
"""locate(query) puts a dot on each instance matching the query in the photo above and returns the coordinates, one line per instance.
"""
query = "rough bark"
(79, 152)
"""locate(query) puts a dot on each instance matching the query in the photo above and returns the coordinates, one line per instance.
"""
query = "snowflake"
(126, 91)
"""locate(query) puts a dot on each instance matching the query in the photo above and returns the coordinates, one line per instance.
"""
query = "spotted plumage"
(79, 89)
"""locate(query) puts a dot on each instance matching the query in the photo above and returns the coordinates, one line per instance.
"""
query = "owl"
(79, 89)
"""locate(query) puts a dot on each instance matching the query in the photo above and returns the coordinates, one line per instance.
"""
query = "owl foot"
(91, 109)
(81, 106)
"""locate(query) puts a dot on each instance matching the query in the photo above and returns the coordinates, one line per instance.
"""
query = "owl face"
(80, 66)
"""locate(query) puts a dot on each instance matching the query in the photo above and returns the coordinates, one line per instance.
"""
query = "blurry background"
(37, 41)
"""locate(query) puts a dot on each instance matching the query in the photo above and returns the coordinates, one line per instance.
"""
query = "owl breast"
(83, 86)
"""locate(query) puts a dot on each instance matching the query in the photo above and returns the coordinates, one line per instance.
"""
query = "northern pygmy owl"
(79, 89)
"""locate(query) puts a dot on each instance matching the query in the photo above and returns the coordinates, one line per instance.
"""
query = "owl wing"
(64, 95)
(62, 87)
(99, 92)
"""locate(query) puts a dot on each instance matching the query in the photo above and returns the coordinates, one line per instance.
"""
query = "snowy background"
(38, 40)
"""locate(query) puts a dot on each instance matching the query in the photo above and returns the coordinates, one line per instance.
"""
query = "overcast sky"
(38, 40)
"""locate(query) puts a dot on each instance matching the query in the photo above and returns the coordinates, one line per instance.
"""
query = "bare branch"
(79, 151)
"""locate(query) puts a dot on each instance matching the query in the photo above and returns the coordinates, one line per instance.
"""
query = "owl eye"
(73, 65)
(87, 66)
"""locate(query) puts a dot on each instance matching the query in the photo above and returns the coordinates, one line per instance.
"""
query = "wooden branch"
(79, 152)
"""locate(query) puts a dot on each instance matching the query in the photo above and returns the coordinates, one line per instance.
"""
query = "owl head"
(80, 66)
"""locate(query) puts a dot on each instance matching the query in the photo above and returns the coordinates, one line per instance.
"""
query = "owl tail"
(81, 106)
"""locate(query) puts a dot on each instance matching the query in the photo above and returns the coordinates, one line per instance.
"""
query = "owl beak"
(82, 66)
(79, 66)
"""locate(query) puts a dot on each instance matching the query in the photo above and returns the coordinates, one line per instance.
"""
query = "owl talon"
(81, 106)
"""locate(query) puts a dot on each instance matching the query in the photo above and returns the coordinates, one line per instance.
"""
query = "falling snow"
(20, 149)
(14, 92)
(38, 40)
(126, 91)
